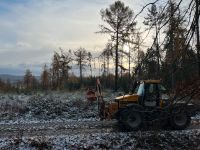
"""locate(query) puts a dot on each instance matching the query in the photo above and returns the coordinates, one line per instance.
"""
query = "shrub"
(46, 106)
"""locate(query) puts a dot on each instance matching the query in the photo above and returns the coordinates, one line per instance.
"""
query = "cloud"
(30, 30)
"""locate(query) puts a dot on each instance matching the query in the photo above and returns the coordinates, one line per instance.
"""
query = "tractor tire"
(132, 120)
(180, 120)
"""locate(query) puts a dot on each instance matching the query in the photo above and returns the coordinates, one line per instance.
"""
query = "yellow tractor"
(147, 105)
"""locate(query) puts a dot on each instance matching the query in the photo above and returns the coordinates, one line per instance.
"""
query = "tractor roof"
(152, 81)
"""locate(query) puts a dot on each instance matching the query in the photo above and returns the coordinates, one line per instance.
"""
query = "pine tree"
(120, 22)
(179, 57)
(153, 21)
(28, 79)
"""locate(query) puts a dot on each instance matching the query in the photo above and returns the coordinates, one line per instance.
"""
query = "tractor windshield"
(140, 89)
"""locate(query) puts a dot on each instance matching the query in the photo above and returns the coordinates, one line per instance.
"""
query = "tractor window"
(162, 89)
(151, 95)
(140, 91)
(163, 92)
(151, 88)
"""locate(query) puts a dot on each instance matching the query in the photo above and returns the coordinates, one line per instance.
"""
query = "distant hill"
(13, 78)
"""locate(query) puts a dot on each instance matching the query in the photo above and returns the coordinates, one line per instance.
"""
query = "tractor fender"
(192, 109)
(189, 108)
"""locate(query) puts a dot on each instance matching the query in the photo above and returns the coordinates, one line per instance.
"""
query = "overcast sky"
(31, 30)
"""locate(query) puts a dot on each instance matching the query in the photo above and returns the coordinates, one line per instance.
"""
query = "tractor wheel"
(180, 120)
(132, 120)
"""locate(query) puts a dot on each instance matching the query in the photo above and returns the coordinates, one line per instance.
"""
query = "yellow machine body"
(124, 100)
(120, 102)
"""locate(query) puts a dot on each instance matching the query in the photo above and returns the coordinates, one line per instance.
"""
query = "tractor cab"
(149, 93)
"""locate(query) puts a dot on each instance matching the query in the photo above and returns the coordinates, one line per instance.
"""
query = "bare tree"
(55, 71)
(28, 79)
(153, 21)
(90, 62)
(197, 14)
(45, 78)
(120, 22)
(61, 64)
(81, 57)
(65, 65)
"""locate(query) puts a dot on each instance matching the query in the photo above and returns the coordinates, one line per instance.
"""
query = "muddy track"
(56, 128)
(64, 128)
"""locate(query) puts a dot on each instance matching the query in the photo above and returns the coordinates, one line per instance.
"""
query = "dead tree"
(65, 65)
(28, 79)
(81, 57)
(197, 33)
(45, 78)
(90, 62)
(56, 71)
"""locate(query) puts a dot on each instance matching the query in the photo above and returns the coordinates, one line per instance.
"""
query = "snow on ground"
(48, 107)
(40, 107)
(180, 140)
(51, 107)
(196, 117)
(72, 107)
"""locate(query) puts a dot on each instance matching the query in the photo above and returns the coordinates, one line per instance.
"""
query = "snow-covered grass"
(181, 140)
(48, 107)
(51, 106)
(56, 107)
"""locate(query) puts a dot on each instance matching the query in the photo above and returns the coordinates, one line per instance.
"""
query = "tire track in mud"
(65, 128)
(56, 128)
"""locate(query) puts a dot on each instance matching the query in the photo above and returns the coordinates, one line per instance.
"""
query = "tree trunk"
(172, 45)
(157, 54)
(80, 74)
(116, 61)
(129, 64)
(108, 69)
(197, 35)
(121, 63)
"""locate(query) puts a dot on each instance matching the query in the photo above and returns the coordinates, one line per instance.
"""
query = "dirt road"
(56, 128)
(64, 128)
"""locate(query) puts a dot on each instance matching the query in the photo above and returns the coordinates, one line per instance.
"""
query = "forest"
(173, 55)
